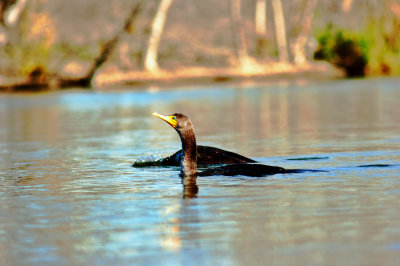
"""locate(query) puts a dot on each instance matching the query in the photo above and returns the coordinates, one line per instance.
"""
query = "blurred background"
(256, 77)
(81, 43)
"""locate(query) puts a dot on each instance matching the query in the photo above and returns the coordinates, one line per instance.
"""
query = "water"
(68, 195)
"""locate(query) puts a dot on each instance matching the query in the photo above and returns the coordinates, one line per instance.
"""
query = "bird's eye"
(173, 118)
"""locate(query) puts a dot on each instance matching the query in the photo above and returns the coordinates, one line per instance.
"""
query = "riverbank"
(204, 76)
(111, 77)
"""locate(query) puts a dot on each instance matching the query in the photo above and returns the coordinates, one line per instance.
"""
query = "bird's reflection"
(190, 188)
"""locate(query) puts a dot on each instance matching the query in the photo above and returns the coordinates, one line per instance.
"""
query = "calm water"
(68, 195)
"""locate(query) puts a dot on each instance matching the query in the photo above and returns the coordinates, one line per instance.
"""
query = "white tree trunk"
(346, 5)
(261, 17)
(150, 61)
(14, 12)
(280, 30)
(238, 32)
(299, 45)
(12, 17)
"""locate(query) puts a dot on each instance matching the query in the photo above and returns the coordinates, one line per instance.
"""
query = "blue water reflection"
(69, 196)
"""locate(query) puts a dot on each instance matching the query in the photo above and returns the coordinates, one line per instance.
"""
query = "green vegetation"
(344, 50)
(373, 50)
(382, 39)
(30, 57)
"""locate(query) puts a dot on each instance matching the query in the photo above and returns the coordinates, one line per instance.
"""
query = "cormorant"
(189, 158)
(206, 155)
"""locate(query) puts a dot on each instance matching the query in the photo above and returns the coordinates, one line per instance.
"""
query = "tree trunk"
(14, 13)
(10, 16)
(346, 5)
(261, 27)
(238, 33)
(299, 45)
(105, 52)
(261, 17)
(280, 30)
(150, 61)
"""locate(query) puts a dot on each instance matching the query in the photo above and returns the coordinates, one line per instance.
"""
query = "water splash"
(146, 160)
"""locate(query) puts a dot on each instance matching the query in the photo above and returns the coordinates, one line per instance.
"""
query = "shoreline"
(110, 78)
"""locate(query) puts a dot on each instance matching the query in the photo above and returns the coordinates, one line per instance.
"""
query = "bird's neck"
(189, 149)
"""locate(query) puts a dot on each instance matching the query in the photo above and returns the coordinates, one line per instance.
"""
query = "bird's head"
(178, 121)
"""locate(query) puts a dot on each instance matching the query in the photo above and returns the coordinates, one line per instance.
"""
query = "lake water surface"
(69, 196)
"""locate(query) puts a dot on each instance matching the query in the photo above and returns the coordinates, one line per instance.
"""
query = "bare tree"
(346, 5)
(261, 27)
(238, 33)
(299, 45)
(105, 52)
(14, 13)
(280, 30)
(10, 14)
(150, 61)
(261, 17)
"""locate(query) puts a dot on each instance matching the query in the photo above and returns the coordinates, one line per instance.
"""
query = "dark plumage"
(250, 169)
(189, 157)
(205, 156)
(209, 155)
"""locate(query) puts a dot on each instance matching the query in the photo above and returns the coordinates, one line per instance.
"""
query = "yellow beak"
(170, 119)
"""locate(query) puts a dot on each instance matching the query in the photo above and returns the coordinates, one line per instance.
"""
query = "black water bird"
(206, 155)
(189, 157)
